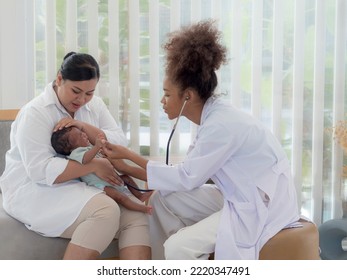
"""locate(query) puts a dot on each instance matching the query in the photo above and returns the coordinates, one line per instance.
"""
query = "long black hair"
(79, 67)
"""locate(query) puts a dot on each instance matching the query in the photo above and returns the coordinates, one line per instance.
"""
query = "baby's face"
(78, 138)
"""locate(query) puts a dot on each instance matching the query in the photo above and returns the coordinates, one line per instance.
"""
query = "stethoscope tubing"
(136, 188)
(172, 132)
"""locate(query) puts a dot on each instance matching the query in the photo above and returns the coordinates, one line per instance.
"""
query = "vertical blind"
(287, 68)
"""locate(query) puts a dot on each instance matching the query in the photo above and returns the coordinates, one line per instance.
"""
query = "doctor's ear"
(189, 93)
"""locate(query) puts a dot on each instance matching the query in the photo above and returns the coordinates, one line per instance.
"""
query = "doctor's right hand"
(113, 151)
(105, 170)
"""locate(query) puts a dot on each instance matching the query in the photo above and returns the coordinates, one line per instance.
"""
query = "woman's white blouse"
(32, 166)
(248, 165)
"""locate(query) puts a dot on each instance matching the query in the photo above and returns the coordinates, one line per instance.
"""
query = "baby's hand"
(100, 140)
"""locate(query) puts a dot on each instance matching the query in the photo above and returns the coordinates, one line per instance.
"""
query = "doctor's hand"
(115, 152)
(112, 151)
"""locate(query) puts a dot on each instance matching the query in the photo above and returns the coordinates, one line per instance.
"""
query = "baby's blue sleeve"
(78, 154)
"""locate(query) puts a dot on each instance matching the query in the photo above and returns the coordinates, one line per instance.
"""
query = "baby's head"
(67, 139)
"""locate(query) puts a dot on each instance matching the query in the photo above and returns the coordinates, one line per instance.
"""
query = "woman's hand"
(67, 122)
(105, 170)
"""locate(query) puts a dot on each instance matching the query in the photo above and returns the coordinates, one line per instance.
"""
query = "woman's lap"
(134, 227)
(101, 220)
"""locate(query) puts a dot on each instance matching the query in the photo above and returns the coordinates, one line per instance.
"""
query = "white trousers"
(185, 223)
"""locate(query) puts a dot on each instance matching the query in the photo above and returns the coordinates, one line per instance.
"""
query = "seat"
(301, 243)
(293, 244)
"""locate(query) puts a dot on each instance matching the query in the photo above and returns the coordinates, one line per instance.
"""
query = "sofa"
(19, 243)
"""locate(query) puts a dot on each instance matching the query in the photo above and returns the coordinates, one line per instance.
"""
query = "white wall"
(16, 54)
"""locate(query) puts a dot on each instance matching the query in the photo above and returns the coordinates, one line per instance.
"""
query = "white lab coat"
(32, 166)
(249, 166)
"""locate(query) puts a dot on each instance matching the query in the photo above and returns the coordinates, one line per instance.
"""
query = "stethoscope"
(167, 147)
(173, 131)
(136, 188)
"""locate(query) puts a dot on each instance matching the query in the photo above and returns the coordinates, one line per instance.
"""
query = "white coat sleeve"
(214, 146)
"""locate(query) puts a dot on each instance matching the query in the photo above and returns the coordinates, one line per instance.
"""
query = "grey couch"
(16, 241)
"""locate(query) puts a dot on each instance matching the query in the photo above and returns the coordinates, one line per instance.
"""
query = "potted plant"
(340, 136)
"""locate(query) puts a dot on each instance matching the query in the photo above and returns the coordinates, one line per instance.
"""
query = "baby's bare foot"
(149, 210)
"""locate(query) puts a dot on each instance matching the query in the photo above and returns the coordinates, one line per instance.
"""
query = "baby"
(74, 143)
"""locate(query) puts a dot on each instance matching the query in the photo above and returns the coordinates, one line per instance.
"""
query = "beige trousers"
(102, 219)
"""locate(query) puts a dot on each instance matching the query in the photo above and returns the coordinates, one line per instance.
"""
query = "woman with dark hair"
(43, 190)
(253, 196)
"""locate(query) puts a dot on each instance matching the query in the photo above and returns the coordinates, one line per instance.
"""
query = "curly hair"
(193, 54)
(60, 141)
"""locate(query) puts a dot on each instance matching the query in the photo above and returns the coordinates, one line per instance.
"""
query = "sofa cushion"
(5, 128)
(19, 243)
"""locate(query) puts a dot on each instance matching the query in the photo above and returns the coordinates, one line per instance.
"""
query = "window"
(287, 68)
